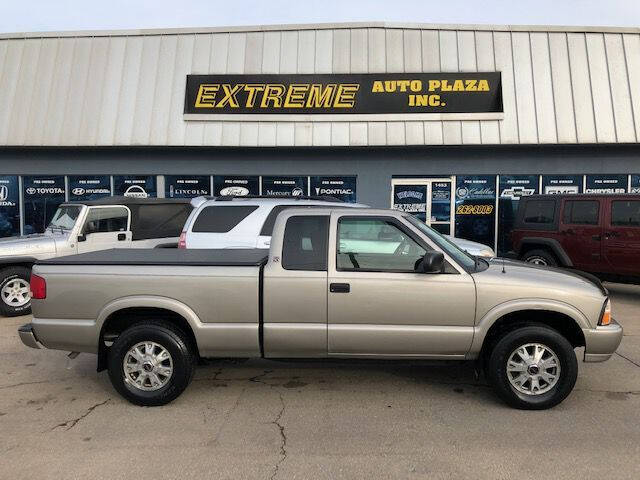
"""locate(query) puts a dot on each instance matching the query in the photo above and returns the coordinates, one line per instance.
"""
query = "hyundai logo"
(78, 191)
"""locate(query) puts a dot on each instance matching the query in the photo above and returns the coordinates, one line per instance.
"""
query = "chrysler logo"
(4, 193)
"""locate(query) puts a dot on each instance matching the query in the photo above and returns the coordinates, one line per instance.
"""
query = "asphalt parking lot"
(262, 419)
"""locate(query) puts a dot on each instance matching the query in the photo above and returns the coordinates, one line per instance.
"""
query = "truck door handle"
(122, 236)
(608, 235)
(339, 288)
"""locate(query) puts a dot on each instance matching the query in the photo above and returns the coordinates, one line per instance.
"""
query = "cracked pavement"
(260, 419)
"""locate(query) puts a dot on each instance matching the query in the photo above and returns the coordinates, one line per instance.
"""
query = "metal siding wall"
(129, 90)
(632, 56)
(562, 89)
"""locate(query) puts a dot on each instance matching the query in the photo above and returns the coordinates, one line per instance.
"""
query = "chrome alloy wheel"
(533, 369)
(147, 366)
(537, 260)
(15, 292)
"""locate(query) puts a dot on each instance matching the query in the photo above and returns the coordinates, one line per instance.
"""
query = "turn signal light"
(182, 241)
(38, 287)
(606, 314)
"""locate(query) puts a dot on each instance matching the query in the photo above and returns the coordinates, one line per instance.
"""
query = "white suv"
(247, 222)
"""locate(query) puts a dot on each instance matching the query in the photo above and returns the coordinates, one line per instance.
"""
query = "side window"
(581, 212)
(221, 219)
(305, 243)
(107, 219)
(267, 228)
(371, 244)
(539, 211)
(625, 213)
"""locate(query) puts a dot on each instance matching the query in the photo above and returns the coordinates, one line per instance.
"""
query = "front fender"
(492, 316)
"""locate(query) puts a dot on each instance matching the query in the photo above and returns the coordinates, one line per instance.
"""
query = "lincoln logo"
(4, 193)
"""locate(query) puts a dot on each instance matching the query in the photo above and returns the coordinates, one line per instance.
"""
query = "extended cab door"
(379, 305)
(621, 238)
(105, 227)
(580, 233)
(295, 289)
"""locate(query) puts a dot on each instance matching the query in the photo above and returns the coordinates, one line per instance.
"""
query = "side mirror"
(82, 237)
(432, 262)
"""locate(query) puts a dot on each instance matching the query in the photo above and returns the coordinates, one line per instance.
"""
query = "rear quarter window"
(222, 219)
(539, 212)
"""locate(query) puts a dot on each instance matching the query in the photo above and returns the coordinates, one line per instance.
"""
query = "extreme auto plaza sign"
(269, 97)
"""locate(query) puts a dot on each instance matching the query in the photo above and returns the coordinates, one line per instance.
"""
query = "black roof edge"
(227, 198)
(122, 200)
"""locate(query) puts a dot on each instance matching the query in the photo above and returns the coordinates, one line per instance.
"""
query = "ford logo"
(235, 191)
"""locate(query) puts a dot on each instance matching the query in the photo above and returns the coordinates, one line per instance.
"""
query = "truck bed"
(166, 256)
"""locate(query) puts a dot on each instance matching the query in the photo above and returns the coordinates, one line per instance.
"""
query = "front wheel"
(540, 257)
(532, 368)
(151, 363)
(15, 298)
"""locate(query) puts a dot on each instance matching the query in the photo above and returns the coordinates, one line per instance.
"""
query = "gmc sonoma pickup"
(337, 282)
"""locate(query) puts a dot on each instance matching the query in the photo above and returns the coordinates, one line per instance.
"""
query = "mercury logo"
(297, 192)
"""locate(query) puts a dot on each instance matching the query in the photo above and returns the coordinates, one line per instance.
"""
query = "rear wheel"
(532, 368)
(540, 257)
(151, 363)
(15, 298)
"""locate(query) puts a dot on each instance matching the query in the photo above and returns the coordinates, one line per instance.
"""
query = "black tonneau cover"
(166, 256)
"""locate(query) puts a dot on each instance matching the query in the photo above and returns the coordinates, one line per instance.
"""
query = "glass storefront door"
(429, 199)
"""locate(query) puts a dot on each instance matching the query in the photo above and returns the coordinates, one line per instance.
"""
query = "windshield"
(65, 217)
(463, 258)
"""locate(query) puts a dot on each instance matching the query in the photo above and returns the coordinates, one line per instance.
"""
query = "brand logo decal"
(136, 191)
(234, 191)
(516, 192)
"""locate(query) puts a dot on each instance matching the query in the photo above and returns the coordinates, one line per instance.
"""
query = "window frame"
(252, 208)
(396, 223)
(96, 207)
(327, 218)
(616, 225)
(566, 202)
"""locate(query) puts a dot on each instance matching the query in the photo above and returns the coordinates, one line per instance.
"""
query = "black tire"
(540, 257)
(496, 367)
(167, 336)
(8, 275)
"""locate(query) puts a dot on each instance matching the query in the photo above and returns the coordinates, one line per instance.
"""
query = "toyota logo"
(4, 193)
(31, 190)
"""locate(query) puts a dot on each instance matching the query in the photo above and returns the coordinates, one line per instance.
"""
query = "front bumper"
(28, 337)
(602, 341)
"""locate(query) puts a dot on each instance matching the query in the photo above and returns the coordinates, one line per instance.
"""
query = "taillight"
(38, 287)
(182, 242)
(605, 319)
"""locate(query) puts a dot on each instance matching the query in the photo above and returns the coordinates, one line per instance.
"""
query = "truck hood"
(35, 245)
(537, 277)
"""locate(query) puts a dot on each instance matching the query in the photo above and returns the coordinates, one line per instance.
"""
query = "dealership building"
(452, 123)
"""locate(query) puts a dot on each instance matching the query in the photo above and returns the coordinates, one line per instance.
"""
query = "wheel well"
(527, 247)
(563, 324)
(19, 264)
(119, 321)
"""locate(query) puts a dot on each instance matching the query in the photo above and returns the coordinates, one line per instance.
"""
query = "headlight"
(605, 318)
